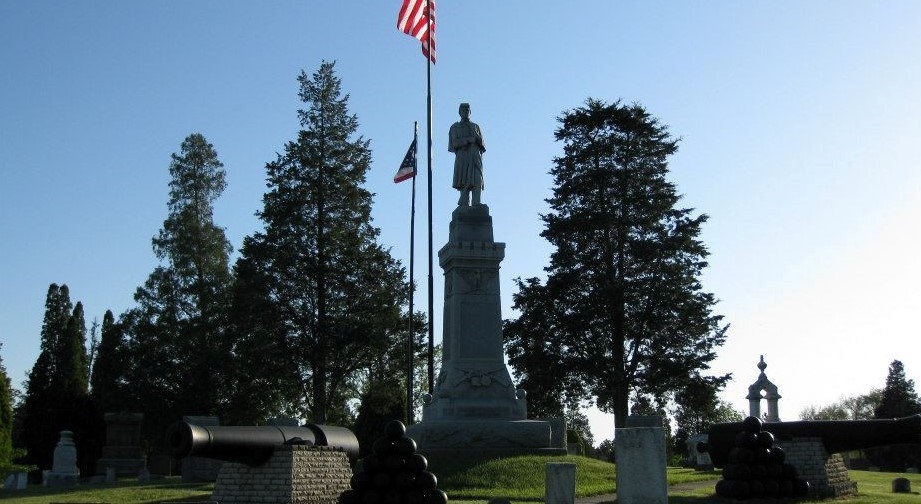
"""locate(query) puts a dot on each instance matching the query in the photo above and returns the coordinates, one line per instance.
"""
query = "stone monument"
(640, 457)
(123, 445)
(476, 411)
(64, 470)
(762, 384)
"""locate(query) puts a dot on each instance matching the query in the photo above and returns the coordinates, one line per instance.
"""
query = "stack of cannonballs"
(756, 468)
(394, 473)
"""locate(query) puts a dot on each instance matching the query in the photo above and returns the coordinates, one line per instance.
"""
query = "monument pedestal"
(476, 412)
(123, 445)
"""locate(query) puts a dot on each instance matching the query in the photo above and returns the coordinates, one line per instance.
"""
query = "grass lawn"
(872, 488)
(128, 491)
(520, 479)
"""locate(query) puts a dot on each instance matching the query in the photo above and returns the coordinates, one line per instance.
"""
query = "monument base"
(295, 474)
(122, 466)
(471, 441)
(826, 473)
(53, 479)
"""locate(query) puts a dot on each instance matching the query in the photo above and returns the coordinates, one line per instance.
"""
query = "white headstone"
(640, 457)
(561, 483)
(64, 470)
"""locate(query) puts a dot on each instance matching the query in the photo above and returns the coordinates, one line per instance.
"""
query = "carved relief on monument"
(477, 281)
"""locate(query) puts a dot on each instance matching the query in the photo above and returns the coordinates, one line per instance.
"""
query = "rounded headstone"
(901, 485)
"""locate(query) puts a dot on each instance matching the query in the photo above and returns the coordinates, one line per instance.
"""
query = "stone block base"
(827, 475)
(293, 475)
(53, 479)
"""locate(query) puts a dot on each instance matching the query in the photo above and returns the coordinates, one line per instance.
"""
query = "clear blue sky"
(799, 124)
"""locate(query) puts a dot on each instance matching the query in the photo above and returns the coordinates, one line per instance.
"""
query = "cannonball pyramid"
(756, 468)
(394, 473)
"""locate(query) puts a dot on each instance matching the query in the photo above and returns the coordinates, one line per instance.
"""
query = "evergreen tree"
(316, 296)
(899, 399)
(535, 358)
(70, 378)
(40, 413)
(179, 346)
(626, 310)
(6, 417)
(109, 368)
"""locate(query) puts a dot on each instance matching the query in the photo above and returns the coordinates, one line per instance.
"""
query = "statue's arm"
(453, 141)
(478, 140)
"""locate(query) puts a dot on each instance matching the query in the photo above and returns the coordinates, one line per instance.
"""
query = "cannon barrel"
(837, 435)
(253, 445)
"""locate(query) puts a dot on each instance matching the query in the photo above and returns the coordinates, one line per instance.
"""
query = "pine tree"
(179, 347)
(109, 368)
(899, 399)
(40, 422)
(627, 313)
(317, 296)
(70, 378)
(6, 417)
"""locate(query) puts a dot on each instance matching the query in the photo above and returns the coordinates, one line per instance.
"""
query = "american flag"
(408, 167)
(412, 21)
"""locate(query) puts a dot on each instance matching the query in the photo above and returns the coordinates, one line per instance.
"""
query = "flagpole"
(412, 278)
(428, 76)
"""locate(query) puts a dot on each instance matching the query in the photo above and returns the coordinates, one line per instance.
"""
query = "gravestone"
(698, 460)
(200, 468)
(64, 470)
(560, 484)
(901, 485)
(639, 451)
(16, 481)
(123, 445)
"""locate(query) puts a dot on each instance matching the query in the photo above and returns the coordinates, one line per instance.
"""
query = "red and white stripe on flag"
(412, 21)
(408, 166)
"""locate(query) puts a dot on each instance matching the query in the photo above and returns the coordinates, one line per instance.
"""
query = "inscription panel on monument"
(480, 331)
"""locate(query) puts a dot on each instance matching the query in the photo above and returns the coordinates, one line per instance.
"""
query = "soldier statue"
(466, 141)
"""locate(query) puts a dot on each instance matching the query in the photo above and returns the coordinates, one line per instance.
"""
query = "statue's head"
(464, 110)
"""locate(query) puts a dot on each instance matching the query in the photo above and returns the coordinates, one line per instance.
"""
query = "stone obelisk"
(475, 411)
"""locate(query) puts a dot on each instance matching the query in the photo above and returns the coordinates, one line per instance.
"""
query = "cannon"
(837, 435)
(253, 445)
